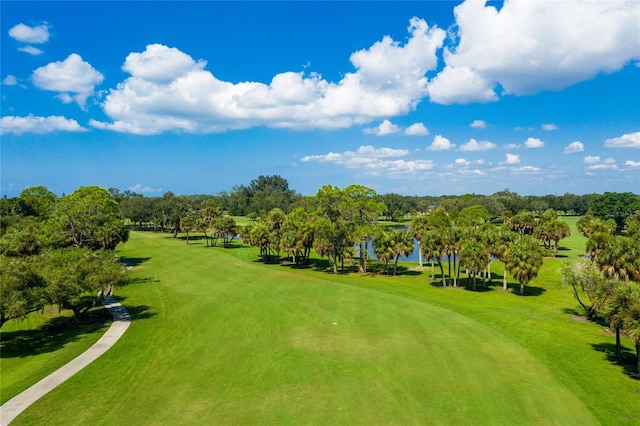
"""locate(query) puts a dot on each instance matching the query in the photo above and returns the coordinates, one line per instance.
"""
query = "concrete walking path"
(16, 405)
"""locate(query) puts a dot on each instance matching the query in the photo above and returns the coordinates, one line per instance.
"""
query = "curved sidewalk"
(16, 405)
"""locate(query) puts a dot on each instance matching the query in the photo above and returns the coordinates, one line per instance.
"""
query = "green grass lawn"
(219, 338)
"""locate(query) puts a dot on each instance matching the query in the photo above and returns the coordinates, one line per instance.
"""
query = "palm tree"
(500, 248)
(621, 308)
(524, 259)
(474, 257)
(418, 226)
(402, 244)
(433, 248)
(618, 258)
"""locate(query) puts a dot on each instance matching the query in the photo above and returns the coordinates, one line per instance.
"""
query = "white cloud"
(31, 50)
(416, 129)
(533, 143)
(511, 146)
(73, 78)
(159, 63)
(26, 34)
(528, 46)
(478, 124)
(385, 128)
(574, 147)
(34, 124)
(10, 80)
(169, 91)
(466, 163)
(374, 161)
(549, 127)
(609, 161)
(526, 170)
(629, 140)
(440, 143)
(603, 166)
(139, 189)
(592, 159)
(460, 85)
(512, 158)
(474, 145)
(634, 164)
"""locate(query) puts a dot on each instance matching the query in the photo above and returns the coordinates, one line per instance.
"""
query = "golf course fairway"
(220, 338)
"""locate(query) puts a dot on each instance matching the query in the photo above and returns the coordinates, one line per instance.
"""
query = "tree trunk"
(420, 254)
(521, 289)
(395, 265)
(362, 259)
(432, 268)
(504, 278)
(489, 271)
(444, 283)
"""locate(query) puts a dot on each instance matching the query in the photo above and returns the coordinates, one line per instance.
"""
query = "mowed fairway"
(217, 338)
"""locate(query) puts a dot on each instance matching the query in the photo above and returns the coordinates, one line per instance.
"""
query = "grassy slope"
(211, 343)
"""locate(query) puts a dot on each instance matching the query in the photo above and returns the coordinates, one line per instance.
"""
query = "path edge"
(16, 405)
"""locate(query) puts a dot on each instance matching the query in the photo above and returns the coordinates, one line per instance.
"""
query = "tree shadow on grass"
(627, 361)
(142, 280)
(134, 261)
(59, 331)
(56, 333)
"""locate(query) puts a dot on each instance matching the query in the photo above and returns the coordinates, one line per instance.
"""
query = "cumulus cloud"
(478, 124)
(385, 128)
(633, 164)
(73, 78)
(10, 80)
(589, 159)
(416, 129)
(629, 140)
(169, 91)
(533, 143)
(474, 145)
(34, 124)
(26, 34)
(549, 127)
(440, 143)
(573, 147)
(373, 161)
(527, 47)
(512, 158)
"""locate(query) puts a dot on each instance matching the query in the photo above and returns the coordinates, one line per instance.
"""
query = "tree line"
(59, 251)
(265, 193)
(41, 233)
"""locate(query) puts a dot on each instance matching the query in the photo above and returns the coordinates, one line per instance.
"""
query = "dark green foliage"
(615, 205)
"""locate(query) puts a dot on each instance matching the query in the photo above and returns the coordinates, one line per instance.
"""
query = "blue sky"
(417, 98)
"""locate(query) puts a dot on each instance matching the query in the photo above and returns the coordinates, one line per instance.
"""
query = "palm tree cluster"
(609, 275)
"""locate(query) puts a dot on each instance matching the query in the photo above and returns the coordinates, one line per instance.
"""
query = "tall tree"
(474, 257)
(418, 226)
(524, 259)
(363, 212)
(89, 218)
